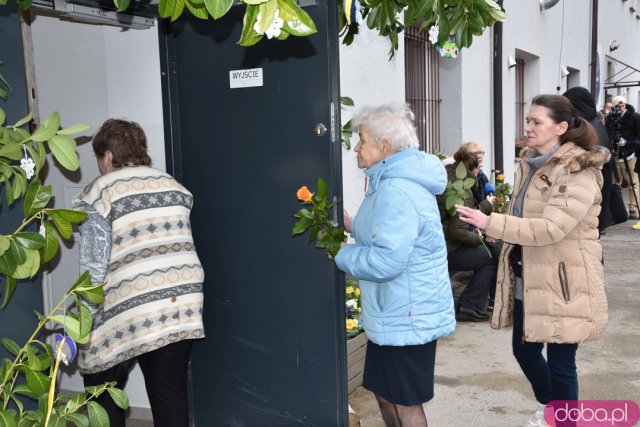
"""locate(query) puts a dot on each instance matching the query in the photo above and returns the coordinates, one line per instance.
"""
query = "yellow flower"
(303, 194)
(349, 289)
(352, 323)
(358, 292)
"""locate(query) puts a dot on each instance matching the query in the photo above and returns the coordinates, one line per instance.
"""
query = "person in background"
(606, 109)
(137, 239)
(400, 258)
(627, 145)
(465, 249)
(550, 278)
(582, 101)
(479, 192)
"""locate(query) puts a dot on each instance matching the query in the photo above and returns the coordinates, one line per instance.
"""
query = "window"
(422, 87)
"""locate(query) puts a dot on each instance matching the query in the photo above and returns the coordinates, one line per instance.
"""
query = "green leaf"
(94, 294)
(26, 119)
(37, 382)
(74, 403)
(24, 390)
(461, 170)
(345, 100)
(3, 116)
(165, 7)
(63, 148)
(5, 243)
(11, 150)
(8, 291)
(97, 415)
(84, 281)
(249, 37)
(70, 215)
(254, 2)
(178, 8)
(267, 13)
(8, 418)
(61, 223)
(218, 8)
(51, 243)
(458, 186)
(197, 9)
(71, 130)
(71, 326)
(80, 420)
(11, 346)
(19, 184)
(33, 359)
(121, 6)
(48, 128)
(18, 253)
(29, 239)
(301, 225)
(30, 267)
(86, 320)
(322, 189)
(7, 264)
(119, 397)
(469, 183)
(297, 22)
(36, 198)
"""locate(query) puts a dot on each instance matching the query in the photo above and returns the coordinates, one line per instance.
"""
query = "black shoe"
(465, 314)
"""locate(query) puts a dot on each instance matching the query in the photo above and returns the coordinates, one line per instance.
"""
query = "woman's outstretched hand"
(472, 216)
(347, 220)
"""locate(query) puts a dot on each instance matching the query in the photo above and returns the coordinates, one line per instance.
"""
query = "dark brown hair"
(126, 141)
(580, 132)
(469, 159)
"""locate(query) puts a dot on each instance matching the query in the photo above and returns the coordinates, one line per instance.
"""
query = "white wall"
(89, 73)
(369, 78)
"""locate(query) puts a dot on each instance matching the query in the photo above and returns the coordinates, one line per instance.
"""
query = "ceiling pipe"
(547, 4)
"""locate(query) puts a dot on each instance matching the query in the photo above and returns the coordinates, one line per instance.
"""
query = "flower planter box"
(356, 349)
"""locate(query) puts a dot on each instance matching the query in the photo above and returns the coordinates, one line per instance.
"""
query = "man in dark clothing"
(628, 146)
(586, 108)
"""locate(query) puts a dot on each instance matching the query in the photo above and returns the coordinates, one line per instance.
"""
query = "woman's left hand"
(472, 216)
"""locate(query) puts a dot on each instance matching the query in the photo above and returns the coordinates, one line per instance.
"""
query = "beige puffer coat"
(564, 298)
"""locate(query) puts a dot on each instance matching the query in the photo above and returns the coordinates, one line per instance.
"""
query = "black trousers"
(165, 378)
(484, 267)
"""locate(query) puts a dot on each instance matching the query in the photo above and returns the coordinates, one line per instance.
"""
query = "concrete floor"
(478, 382)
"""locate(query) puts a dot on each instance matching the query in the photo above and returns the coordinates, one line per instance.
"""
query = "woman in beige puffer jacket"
(553, 292)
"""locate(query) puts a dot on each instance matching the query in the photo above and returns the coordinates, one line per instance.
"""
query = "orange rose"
(303, 194)
(500, 178)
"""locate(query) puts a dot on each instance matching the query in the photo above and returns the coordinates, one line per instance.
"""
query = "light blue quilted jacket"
(400, 255)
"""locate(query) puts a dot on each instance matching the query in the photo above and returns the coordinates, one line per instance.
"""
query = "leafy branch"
(327, 231)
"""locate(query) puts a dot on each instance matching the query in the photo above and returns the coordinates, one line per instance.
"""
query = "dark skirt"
(400, 374)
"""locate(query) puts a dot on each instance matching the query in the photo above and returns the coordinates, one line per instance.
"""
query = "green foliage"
(502, 195)
(345, 101)
(461, 19)
(327, 232)
(458, 191)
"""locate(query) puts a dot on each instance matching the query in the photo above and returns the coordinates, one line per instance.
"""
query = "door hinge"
(333, 122)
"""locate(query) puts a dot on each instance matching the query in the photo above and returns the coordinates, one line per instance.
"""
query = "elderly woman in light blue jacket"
(400, 258)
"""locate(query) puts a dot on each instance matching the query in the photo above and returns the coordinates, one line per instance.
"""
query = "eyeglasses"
(477, 153)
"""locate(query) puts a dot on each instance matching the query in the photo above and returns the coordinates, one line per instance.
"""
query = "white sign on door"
(245, 78)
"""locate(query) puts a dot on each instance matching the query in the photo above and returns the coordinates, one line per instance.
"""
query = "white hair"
(388, 121)
(618, 100)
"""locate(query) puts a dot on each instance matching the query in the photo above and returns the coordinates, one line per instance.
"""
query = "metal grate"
(520, 104)
(422, 86)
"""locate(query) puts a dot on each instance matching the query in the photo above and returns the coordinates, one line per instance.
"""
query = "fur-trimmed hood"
(575, 157)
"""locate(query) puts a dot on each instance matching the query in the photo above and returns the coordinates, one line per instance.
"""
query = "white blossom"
(434, 32)
(28, 166)
(353, 304)
(274, 29)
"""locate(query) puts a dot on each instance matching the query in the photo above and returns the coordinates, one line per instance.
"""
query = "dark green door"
(274, 352)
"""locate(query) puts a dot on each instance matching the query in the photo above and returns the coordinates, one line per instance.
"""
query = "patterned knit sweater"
(138, 239)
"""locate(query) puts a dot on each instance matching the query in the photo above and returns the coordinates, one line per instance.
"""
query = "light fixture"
(564, 71)
(512, 62)
(547, 4)
(613, 45)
